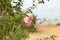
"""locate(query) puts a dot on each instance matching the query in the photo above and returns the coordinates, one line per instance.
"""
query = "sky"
(49, 10)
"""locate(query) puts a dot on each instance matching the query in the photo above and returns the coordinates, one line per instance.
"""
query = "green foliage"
(12, 26)
(34, 19)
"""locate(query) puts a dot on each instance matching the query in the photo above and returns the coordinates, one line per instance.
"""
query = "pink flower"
(30, 15)
(28, 19)
(37, 39)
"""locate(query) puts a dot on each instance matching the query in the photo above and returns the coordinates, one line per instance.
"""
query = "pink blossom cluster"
(28, 19)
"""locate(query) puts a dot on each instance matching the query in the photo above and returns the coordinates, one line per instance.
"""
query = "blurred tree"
(11, 23)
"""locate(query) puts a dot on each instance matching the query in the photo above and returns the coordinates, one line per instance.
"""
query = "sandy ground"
(44, 30)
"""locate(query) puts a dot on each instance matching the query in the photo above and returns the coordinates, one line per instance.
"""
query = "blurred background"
(49, 12)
